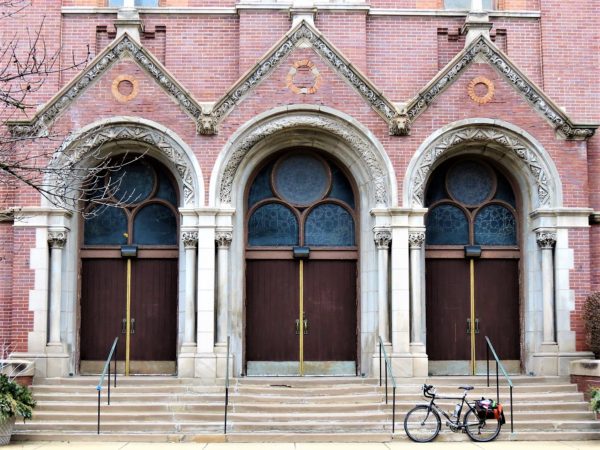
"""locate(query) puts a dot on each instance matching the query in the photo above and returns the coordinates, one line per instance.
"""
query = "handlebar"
(426, 390)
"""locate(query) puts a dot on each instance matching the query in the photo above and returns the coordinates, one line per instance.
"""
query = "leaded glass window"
(329, 225)
(470, 202)
(141, 205)
(301, 198)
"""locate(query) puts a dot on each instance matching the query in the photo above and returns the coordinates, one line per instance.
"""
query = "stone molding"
(223, 238)
(360, 145)
(486, 134)
(123, 47)
(57, 239)
(483, 48)
(189, 239)
(416, 239)
(546, 239)
(383, 238)
(305, 34)
(77, 148)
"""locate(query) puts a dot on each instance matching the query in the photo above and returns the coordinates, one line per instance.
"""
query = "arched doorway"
(472, 266)
(129, 271)
(301, 267)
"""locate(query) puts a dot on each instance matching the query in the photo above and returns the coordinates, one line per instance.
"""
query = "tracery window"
(301, 199)
(470, 203)
(140, 209)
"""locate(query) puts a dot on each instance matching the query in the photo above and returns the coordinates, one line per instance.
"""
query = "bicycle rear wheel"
(481, 430)
(422, 424)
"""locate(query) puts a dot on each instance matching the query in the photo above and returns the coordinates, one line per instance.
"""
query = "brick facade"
(553, 44)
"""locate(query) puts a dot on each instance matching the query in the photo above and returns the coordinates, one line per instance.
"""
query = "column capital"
(223, 238)
(57, 238)
(382, 237)
(545, 238)
(416, 239)
(189, 239)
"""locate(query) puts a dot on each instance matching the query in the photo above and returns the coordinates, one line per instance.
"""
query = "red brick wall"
(6, 281)
(22, 277)
(579, 241)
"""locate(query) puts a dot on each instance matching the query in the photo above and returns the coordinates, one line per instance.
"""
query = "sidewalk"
(467, 445)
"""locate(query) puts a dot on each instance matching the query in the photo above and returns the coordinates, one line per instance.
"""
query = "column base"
(186, 359)
(57, 360)
(205, 366)
(221, 360)
(404, 365)
(420, 360)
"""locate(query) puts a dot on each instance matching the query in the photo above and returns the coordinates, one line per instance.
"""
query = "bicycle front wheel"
(422, 424)
(481, 430)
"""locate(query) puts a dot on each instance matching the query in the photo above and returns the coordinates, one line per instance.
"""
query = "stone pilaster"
(383, 239)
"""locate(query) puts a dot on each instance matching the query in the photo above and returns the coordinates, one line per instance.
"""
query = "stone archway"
(325, 130)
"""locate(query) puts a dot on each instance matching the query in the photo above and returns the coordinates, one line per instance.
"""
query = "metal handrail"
(226, 388)
(510, 383)
(388, 370)
(111, 354)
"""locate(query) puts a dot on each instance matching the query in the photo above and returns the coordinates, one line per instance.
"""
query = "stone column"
(383, 237)
(223, 239)
(416, 240)
(190, 242)
(546, 240)
(56, 242)
(477, 5)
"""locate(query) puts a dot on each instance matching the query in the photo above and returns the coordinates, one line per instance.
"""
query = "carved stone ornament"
(304, 33)
(484, 134)
(361, 147)
(189, 239)
(383, 238)
(545, 239)
(57, 239)
(206, 124)
(76, 149)
(416, 239)
(223, 238)
(472, 90)
(117, 51)
(486, 49)
(400, 125)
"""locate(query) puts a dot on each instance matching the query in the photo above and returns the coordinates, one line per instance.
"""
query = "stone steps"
(311, 409)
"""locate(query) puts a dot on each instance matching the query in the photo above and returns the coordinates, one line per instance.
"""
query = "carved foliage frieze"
(93, 140)
(486, 135)
(126, 47)
(304, 33)
(357, 143)
(528, 90)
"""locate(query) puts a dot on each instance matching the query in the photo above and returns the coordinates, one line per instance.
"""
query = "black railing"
(226, 388)
(111, 355)
(388, 370)
(510, 383)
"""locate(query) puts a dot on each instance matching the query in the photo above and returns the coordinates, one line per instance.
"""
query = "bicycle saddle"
(466, 388)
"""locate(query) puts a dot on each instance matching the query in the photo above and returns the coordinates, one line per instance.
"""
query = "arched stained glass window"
(495, 225)
(447, 225)
(470, 203)
(329, 225)
(106, 226)
(299, 185)
(144, 199)
(273, 225)
(155, 224)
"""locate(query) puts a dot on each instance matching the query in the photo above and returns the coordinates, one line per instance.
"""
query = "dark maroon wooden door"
(272, 307)
(330, 308)
(497, 306)
(154, 309)
(448, 307)
(103, 283)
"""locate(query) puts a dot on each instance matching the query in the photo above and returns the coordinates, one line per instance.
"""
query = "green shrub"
(15, 400)
(595, 400)
(591, 317)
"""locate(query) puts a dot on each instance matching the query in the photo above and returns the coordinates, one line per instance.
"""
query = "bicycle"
(423, 424)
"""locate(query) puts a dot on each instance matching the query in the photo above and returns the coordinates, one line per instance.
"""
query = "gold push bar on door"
(472, 252)
(301, 253)
(129, 252)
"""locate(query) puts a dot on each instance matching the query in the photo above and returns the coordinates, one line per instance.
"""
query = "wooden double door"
(457, 326)
(153, 313)
(276, 291)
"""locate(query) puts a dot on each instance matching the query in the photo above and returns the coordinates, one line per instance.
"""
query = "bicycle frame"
(453, 423)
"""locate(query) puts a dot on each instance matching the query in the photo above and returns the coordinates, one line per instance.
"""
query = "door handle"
(124, 326)
(468, 326)
(476, 326)
(305, 325)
